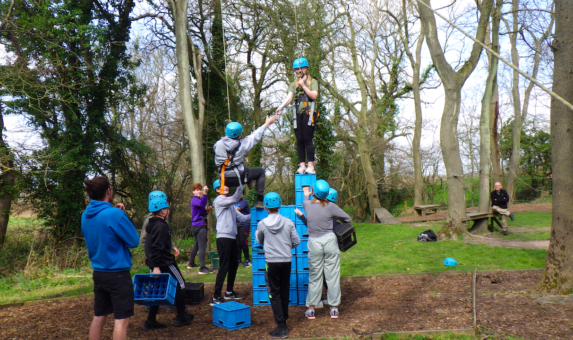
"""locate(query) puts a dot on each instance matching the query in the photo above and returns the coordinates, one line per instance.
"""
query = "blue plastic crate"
(254, 226)
(302, 293)
(259, 280)
(259, 250)
(302, 264)
(302, 248)
(261, 297)
(259, 263)
(302, 280)
(154, 289)
(304, 180)
(232, 315)
(298, 198)
(288, 212)
(302, 230)
(258, 214)
(297, 219)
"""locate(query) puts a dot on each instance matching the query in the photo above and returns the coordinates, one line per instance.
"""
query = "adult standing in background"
(108, 234)
(499, 198)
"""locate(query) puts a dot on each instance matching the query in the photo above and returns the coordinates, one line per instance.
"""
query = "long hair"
(321, 200)
(308, 81)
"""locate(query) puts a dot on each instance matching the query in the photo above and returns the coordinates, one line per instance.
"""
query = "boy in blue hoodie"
(278, 236)
(108, 234)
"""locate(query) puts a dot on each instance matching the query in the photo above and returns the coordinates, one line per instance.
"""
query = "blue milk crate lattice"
(261, 297)
(302, 264)
(304, 180)
(154, 289)
(232, 315)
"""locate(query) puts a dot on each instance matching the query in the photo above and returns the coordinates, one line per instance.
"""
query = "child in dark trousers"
(243, 231)
(278, 236)
(160, 260)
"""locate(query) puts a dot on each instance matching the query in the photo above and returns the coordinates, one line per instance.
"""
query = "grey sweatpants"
(323, 257)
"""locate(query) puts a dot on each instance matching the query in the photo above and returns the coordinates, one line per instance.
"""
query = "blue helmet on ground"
(300, 62)
(157, 204)
(332, 195)
(450, 262)
(217, 184)
(272, 200)
(156, 194)
(233, 130)
(320, 189)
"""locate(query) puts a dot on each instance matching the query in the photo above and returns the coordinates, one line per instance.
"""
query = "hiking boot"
(233, 296)
(309, 170)
(309, 314)
(259, 205)
(192, 265)
(247, 264)
(216, 301)
(505, 233)
(511, 216)
(334, 312)
(184, 320)
(279, 332)
(171, 309)
(149, 325)
(301, 169)
(205, 270)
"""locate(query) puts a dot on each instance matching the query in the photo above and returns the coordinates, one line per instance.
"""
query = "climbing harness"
(232, 166)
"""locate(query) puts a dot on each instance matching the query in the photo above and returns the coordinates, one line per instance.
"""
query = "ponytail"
(97, 187)
(321, 200)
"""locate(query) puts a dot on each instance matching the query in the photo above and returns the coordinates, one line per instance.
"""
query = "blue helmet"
(450, 262)
(300, 62)
(156, 194)
(272, 200)
(233, 130)
(157, 204)
(332, 195)
(217, 184)
(321, 189)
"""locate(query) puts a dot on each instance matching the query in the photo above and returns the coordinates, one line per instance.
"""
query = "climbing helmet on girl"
(321, 189)
(332, 195)
(300, 62)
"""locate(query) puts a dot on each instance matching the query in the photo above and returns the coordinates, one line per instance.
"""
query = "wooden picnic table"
(422, 210)
(476, 216)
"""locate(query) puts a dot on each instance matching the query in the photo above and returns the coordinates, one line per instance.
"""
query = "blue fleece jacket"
(108, 233)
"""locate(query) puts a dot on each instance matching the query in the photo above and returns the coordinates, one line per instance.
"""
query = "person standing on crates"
(243, 231)
(199, 227)
(229, 153)
(304, 91)
(108, 234)
(278, 236)
(323, 251)
(159, 259)
(227, 218)
(499, 198)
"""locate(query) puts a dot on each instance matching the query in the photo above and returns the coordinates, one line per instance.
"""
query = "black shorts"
(113, 293)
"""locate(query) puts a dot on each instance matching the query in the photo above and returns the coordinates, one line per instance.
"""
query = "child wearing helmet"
(229, 153)
(323, 252)
(278, 236)
(159, 259)
(305, 92)
(227, 218)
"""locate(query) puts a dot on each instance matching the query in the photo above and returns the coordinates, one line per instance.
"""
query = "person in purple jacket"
(199, 227)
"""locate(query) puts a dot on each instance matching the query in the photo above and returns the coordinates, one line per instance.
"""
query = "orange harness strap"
(223, 172)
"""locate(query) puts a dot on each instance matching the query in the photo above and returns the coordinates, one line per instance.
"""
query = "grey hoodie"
(227, 144)
(278, 236)
(319, 219)
(227, 216)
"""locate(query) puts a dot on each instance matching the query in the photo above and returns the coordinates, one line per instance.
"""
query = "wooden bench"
(422, 210)
(476, 216)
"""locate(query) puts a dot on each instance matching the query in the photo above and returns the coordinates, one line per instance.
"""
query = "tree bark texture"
(7, 181)
(557, 278)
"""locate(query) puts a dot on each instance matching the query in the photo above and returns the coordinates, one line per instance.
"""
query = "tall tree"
(453, 82)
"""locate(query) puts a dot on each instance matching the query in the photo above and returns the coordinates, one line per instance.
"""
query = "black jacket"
(500, 199)
(158, 244)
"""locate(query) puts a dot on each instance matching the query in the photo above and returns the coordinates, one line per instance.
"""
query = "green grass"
(531, 219)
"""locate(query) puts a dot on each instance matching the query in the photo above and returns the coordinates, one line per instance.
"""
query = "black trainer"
(511, 216)
(149, 325)
(205, 270)
(191, 265)
(233, 296)
(184, 320)
(279, 332)
(216, 300)
(505, 233)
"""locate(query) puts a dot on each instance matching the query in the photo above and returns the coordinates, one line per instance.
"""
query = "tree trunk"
(557, 277)
(192, 126)
(371, 184)
(7, 180)
(497, 171)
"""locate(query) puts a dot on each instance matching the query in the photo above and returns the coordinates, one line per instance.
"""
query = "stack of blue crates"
(299, 266)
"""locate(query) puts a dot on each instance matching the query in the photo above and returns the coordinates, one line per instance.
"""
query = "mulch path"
(404, 303)
(441, 215)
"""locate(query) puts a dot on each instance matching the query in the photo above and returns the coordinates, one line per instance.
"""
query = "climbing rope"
(226, 76)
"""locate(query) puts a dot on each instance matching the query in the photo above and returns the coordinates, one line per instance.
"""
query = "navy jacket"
(500, 199)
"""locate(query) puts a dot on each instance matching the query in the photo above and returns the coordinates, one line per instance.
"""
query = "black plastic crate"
(194, 293)
(346, 235)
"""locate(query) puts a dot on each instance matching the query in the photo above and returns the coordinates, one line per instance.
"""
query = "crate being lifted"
(154, 289)
(346, 235)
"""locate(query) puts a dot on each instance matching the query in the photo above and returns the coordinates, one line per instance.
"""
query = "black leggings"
(304, 134)
(228, 264)
(172, 269)
(200, 246)
(256, 174)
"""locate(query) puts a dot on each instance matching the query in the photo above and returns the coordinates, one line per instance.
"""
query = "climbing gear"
(332, 195)
(156, 194)
(232, 166)
(217, 184)
(233, 130)
(299, 63)
(320, 189)
(301, 169)
(157, 204)
(309, 170)
(450, 262)
(309, 314)
(272, 200)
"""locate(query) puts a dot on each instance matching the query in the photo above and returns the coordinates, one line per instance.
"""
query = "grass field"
(381, 249)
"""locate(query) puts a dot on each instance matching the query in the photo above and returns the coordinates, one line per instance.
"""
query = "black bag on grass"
(428, 236)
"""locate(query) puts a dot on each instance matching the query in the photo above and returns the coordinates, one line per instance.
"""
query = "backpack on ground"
(428, 236)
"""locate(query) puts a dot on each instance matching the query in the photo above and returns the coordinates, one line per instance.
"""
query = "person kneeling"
(160, 260)
(278, 236)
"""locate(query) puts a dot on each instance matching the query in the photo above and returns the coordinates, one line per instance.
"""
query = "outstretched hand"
(270, 120)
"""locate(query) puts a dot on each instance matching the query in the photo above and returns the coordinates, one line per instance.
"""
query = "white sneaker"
(301, 169)
(309, 170)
